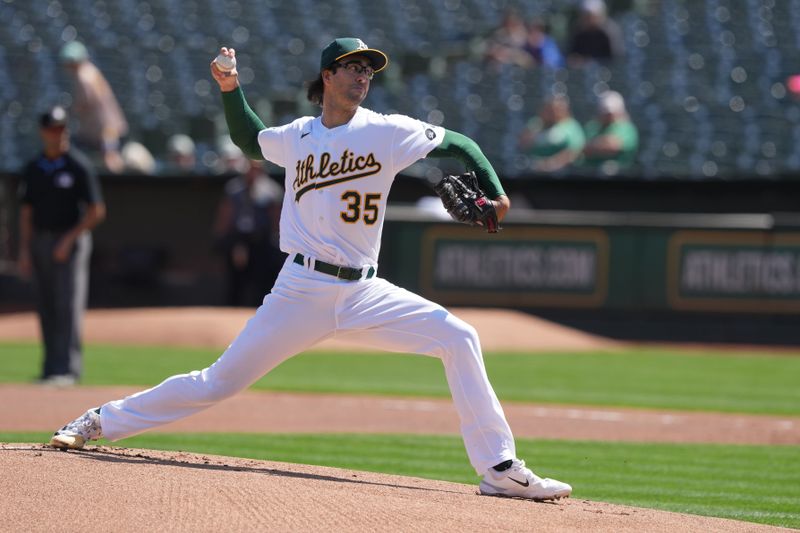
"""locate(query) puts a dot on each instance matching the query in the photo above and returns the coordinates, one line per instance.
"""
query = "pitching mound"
(118, 489)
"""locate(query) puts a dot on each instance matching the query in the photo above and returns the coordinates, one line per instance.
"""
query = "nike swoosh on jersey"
(304, 134)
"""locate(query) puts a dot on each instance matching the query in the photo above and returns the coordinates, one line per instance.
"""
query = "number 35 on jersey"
(361, 207)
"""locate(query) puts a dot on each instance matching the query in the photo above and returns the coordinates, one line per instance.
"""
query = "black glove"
(466, 202)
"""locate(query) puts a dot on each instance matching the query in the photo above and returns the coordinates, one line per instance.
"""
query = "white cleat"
(78, 432)
(519, 482)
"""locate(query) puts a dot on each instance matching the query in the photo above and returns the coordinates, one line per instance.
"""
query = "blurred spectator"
(137, 158)
(231, 159)
(541, 47)
(595, 37)
(60, 202)
(506, 44)
(525, 45)
(554, 139)
(101, 122)
(246, 232)
(181, 157)
(612, 140)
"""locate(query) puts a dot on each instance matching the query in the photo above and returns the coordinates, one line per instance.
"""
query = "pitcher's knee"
(461, 337)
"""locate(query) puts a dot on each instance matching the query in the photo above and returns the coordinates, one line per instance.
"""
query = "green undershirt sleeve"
(468, 152)
(243, 123)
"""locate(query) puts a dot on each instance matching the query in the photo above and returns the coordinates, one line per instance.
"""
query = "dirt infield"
(38, 407)
(125, 490)
(107, 489)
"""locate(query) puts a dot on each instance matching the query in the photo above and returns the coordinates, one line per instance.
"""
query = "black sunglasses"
(357, 68)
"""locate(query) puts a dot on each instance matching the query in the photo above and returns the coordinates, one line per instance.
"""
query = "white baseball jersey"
(338, 180)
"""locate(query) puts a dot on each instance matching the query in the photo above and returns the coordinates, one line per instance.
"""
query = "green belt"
(348, 273)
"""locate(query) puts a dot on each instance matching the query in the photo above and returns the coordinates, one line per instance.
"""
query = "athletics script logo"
(330, 171)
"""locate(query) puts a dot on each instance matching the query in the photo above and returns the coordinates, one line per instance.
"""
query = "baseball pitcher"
(339, 168)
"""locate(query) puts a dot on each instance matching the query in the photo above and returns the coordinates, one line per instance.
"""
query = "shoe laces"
(86, 425)
(518, 465)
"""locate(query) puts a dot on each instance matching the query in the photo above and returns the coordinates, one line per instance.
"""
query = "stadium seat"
(707, 70)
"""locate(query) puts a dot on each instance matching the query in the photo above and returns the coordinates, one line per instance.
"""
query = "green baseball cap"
(347, 46)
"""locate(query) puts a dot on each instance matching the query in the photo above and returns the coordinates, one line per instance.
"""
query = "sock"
(505, 465)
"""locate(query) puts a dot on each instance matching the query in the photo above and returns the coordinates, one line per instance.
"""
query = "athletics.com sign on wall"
(540, 266)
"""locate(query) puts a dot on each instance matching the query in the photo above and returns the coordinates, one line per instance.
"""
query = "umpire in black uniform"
(60, 202)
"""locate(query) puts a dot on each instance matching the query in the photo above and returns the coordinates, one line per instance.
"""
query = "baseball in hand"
(225, 63)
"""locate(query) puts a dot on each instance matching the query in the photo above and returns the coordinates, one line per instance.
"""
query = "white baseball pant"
(306, 307)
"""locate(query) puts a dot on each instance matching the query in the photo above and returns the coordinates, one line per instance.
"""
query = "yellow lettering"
(308, 171)
(324, 161)
(296, 182)
(348, 163)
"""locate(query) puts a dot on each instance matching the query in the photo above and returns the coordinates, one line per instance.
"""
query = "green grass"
(752, 483)
(757, 383)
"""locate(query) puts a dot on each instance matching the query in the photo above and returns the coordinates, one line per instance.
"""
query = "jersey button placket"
(320, 195)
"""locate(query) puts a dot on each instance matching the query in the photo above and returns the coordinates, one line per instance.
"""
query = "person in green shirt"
(553, 139)
(612, 140)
